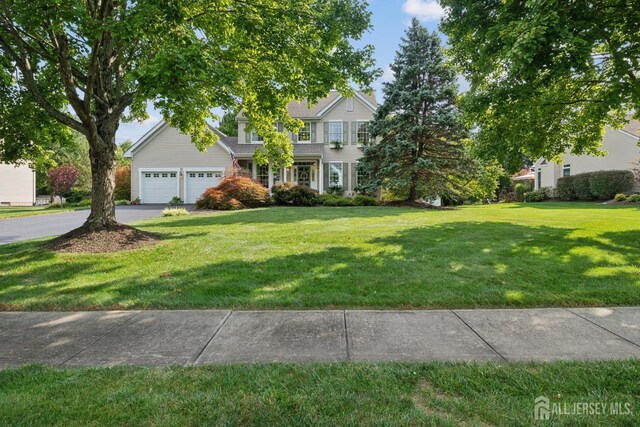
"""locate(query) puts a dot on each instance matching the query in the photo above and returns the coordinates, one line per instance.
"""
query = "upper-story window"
(255, 138)
(362, 132)
(349, 104)
(335, 131)
(566, 170)
(304, 133)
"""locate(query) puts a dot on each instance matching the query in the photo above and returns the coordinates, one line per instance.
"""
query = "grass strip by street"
(17, 212)
(445, 394)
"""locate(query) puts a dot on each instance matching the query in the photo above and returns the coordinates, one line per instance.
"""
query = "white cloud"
(387, 75)
(425, 10)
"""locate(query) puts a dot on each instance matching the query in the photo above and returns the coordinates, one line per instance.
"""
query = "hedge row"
(601, 185)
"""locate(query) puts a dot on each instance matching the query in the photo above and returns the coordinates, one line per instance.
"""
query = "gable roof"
(223, 139)
(302, 109)
(632, 128)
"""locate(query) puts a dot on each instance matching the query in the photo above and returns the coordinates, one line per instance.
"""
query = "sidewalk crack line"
(479, 336)
(201, 350)
(602, 327)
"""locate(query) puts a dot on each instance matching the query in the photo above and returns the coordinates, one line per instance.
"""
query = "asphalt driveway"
(34, 227)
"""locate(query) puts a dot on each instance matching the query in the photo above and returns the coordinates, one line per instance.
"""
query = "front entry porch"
(307, 172)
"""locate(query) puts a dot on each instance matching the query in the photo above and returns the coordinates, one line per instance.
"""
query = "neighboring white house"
(621, 146)
(165, 164)
(17, 185)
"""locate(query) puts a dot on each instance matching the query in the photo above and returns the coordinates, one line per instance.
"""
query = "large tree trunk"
(413, 190)
(102, 151)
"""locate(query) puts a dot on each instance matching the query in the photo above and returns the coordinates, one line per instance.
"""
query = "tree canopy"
(421, 151)
(546, 76)
(88, 65)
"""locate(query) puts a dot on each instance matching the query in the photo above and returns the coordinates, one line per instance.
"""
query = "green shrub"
(634, 198)
(604, 185)
(620, 197)
(175, 212)
(520, 189)
(289, 193)
(234, 192)
(536, 195)
(363, 200)
(57, 205)
(335, 189)
(564, 188)
(334, 200)
(122, 202)
(84, 203)
(582, 187)
(75, 196)
(176, 201)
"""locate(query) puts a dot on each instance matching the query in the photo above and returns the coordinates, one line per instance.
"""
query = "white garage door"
(198, 181)
(159, 187)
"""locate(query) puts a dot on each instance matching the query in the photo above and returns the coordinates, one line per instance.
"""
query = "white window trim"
(143, 170)
(299, 141)
(252, 141)
(341, 131)
(341, 176)
(196, 169)
(350, 104)
(368, 136)
(566, 167)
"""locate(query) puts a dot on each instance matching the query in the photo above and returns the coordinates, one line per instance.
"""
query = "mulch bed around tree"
(114, 239)
(416, 204)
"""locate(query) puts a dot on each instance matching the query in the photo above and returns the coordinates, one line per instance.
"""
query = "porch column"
(270, 176)
(320, 177)
(254, 170)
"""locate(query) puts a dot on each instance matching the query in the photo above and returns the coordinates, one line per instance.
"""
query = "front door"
(304, 175)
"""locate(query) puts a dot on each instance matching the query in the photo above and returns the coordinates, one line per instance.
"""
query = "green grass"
(17, 211)
(328, 394)
(508, 255)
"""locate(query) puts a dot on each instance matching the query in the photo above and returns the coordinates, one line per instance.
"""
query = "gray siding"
(173, 149)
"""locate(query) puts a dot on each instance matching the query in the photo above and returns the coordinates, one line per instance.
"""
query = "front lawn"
(508, 255)
(448, 394)
(18, 211)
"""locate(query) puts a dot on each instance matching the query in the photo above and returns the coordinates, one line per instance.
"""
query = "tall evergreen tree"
(421, 152)
(228, 123)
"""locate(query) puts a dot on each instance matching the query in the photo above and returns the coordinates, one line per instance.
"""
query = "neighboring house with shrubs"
(17, 185)
(622, 153)
(165, 164)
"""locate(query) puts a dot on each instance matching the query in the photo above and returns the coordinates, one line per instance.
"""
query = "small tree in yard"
(421, 153)
(62, 179)
(89, 65)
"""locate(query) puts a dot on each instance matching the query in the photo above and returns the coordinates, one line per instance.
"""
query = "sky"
(390, 19)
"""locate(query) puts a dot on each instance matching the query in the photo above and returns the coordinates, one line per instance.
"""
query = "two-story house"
(164, 162)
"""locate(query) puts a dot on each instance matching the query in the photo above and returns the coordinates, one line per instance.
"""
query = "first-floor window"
(566, 170)
(277, 176)
(539, 178)
(335, 174)
(359, 175)
(262, 175)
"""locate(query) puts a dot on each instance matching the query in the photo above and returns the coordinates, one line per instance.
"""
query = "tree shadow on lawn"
(284, 215)
(451, 265)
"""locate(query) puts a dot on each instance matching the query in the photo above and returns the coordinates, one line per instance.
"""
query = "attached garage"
(159, 186)
(196, 181)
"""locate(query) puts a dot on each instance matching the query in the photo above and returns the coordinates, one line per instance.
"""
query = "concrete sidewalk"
(216, 336)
